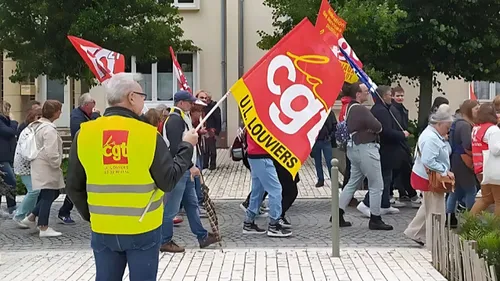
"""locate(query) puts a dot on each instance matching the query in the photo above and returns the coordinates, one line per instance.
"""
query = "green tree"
(411, 38)
(33, 33)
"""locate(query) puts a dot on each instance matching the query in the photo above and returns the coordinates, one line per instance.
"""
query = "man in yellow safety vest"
(118, 171)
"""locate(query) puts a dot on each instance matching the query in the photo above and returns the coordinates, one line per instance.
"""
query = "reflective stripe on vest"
(116, 153)
(478, 146)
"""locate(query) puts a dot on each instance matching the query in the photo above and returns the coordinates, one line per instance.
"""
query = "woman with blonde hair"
(8, 131)
(432, 157)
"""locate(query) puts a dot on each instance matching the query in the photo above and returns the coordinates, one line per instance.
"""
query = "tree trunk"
(424, 99)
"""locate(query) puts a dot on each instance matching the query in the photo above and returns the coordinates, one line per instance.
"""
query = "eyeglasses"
(203, 98)
(143, 95)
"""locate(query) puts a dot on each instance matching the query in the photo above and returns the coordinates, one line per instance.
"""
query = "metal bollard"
(335, 209)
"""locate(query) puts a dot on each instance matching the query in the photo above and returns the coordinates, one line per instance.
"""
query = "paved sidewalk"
(231, 180)
(244, 264)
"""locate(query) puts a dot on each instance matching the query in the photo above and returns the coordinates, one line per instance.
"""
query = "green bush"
(485, 230)
(21, 188)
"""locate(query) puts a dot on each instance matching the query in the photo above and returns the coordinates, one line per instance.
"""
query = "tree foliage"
(409, 38)
(33, 33)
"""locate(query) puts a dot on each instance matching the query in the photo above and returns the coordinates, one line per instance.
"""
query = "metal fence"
(455, 258)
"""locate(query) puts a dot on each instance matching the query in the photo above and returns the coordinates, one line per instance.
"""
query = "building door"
(57, 90)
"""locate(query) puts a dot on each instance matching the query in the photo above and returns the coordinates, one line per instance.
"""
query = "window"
(485, 90)
(55, 90)
(186, 4)
(159, 81)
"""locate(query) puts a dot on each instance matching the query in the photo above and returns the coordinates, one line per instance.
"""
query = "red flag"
(181, 79)
(331, 27)
(284, 99)
(102, 62)
(472, 95)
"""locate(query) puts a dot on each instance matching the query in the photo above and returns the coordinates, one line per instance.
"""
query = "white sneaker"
(365, 210)
(478, 194)
(49, 233)
(392, 200)
(28, 223)
(20, 223)
(389, 211)
(416, 203)
(398, 204)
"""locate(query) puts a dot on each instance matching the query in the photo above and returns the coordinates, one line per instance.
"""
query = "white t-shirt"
(492, 138)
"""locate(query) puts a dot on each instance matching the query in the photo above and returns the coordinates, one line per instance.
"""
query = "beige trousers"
(420, 227)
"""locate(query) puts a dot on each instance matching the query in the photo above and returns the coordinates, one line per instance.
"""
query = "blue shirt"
(434, 153)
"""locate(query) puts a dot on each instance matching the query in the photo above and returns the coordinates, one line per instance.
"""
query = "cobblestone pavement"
(231, 180)
(245, 265)
(308, 217)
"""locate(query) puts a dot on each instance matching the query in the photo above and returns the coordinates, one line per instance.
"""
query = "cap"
(184, 96)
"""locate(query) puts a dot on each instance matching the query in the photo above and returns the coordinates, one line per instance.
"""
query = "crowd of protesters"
(448, 153)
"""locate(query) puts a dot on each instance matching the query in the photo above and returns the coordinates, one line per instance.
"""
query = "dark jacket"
(78, 117)
(401, 114)
(175, 127)
(327, 132)
(8, 139)
(391, 137)
(214, 121)
(165, 170)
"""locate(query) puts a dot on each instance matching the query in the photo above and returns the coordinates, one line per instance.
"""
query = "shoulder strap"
(349, 109)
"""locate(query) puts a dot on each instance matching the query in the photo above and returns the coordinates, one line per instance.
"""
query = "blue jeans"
(113, 252)
(325, 147)
(183, 192)
(10, 179)
(264, 179)
(29, 201)
(466, 193)
(42, 208)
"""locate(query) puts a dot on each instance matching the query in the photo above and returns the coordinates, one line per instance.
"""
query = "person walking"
(8, 129)
(22, 168)
(485, 136)
(85, 112)
(46, 173)
(177, 125)
(403, 161)
(460, 138)
(323, 145)
(213, 126)
(363, 151)
(392, 139)
(118, 172)
(432, 156)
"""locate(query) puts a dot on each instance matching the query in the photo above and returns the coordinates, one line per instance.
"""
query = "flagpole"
(222, 99)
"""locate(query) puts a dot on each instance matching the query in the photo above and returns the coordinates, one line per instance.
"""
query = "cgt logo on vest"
(115, 147)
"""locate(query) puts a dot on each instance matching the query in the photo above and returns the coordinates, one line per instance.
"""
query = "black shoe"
(451, 220)
(461, 207)
(276, 230)
(320, 184)
(376, 223)
(342, 222)
(252, 228)
(285, 223)
(212, 167)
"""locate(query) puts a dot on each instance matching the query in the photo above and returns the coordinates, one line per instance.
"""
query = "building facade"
(226, 33)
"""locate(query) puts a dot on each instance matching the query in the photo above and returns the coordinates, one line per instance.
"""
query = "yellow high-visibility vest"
(116, 153)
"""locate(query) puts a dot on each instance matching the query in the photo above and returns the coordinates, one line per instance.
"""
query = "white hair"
(120, 85)
(442, 114)
(84, 99)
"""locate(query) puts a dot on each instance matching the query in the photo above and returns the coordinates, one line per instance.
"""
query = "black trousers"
(289, 190)
(210, 153)
(347, 173)
(66, 208)
(401, 178)
(42, 208)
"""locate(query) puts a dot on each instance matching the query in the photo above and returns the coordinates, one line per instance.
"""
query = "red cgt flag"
(331, 27)
(284, 99)
(181, 78)
(472, 95)
(102, 62)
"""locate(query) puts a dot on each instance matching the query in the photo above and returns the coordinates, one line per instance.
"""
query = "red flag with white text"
(331, 27)
(181, 78)
(285, 98)
(102, 62)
